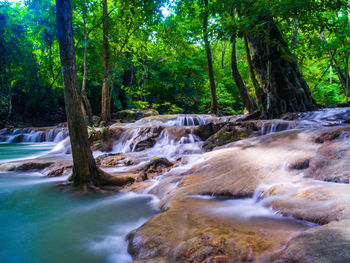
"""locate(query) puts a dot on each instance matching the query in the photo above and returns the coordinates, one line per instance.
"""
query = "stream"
(40, 223)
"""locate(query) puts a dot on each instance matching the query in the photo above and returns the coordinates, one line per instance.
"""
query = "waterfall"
(177, 120)
(32, 135)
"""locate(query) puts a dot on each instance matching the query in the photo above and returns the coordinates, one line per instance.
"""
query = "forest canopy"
(157, 54)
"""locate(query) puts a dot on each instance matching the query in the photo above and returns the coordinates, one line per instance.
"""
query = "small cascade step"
(33, 135)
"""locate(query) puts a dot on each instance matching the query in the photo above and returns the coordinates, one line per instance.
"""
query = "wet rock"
(252, 116)
(117, 159)
(57, 170)
(236, 131)
(110, 159)
(146, 138)
(314, 201)
(48, 165)
(276, 126)
(188, 233)
(26, 165)
(332, 134)
(332, 162)
(133, 114)
(291, 116)
(326, 244)
(103, 139)
(207, 130)
(300, 165)
(343, 105)
(185, 232)
(232, 132)
(155, 167)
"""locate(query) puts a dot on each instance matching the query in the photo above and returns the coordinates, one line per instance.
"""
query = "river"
(42, 224)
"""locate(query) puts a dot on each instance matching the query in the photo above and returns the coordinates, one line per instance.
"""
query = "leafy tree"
(85, 172)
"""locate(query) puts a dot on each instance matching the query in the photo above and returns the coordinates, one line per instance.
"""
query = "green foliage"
(92, 132)
(160, 62)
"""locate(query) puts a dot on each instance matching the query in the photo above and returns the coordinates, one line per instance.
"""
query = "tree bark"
(83, 86)
(259, 93)
(214, 103)
(248, 101)
(106, 104)
(85, 171)
(283, 85)
(223, 55)
(294, 42)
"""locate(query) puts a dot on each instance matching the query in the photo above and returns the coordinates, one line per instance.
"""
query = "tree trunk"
(214, 103)
(342, 77)
(284, 87)
(223, 55)
(259, 93)
(294, 42)
(127, 81)
(85, 171)
(248, 102)
(83, 86)
(106, 104)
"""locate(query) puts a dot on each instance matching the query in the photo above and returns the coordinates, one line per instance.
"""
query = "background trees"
(157, 54)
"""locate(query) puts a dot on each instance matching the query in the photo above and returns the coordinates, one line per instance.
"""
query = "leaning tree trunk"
(106, 104)
(284, 86)
(214, 103)
(85, 171)
(341, 76)
(248, 101)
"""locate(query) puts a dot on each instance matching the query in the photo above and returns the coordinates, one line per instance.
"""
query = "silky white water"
(42, 224)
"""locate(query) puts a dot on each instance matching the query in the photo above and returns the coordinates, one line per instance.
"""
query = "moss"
(128, 163)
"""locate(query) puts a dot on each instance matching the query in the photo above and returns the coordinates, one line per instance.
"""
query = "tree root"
(105, 179)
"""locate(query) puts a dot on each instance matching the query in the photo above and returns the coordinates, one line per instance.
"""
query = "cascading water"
(177, 120)
(170, 137)
(81, 216)
(33, 135)
(70, 228)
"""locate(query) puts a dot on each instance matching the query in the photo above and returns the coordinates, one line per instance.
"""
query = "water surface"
(40, 223)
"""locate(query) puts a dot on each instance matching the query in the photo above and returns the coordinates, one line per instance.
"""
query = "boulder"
(239, 130)
(188, 233)
(327, 244)
(154, 168)
(26, 165)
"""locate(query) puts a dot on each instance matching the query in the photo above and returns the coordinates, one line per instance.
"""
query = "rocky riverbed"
(230, 189)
